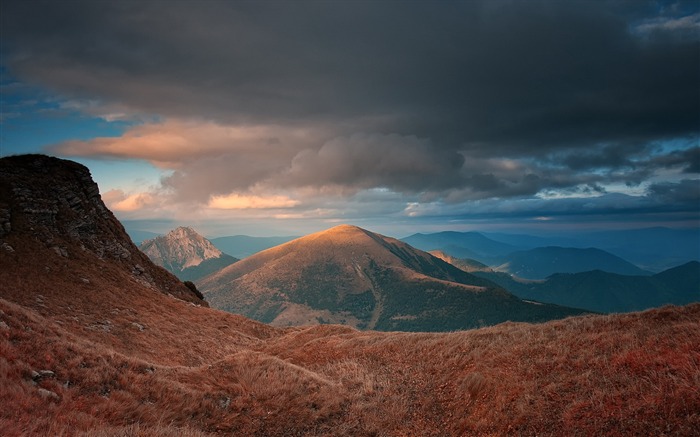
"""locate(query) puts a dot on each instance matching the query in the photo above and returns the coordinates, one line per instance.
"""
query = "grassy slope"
(197, 371)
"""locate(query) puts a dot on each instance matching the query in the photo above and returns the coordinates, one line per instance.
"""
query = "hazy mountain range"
(650, 249)
(97, 340)
(545, 261)
(608, 292)
(304, 289)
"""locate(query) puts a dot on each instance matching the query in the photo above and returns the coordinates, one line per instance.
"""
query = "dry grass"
(129, 361)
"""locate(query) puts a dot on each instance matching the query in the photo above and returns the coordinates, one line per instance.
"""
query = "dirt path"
(378, 307)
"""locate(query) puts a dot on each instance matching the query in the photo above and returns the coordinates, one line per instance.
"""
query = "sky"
(284, 118)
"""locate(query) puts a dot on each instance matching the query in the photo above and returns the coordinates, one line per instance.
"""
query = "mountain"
(472, 244)
(608, 292)
(95, 340)
(185, 253)
(542, 262)
(683, 279)
(655, 249)
(242, 246)
(352, 276)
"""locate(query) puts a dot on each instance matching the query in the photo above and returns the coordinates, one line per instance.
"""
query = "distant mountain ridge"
(542, 262)
(651, 249)
(534, 263)
(242, 246)
(608, 292)
(186, 253)
(355, 277)
(479, 246)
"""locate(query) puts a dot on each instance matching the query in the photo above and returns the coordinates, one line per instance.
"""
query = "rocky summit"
(186, 253)
(51, 208)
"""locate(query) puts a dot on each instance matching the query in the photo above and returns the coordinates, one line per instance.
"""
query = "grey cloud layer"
(522, 76)
(450, 101)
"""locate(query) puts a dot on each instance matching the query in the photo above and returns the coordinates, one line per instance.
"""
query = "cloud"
(241, 162)
(342, 109)
(238, 201)
(402, 163)
(684, 193)
(687, 26)
(173, 142)
(521, 78)
(119, 201)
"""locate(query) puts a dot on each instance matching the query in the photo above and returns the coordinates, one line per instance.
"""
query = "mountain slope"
(185, 253)
(90, 348)
(542, 262)
(466, 264)
(609, 292)
(352, 276)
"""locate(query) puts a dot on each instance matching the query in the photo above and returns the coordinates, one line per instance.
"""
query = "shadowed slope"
(542, 262)
(468, 265)
(608, 292)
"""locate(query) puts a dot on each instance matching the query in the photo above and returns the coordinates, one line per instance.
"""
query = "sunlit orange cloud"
(237, 201)
(172, 142)
(311, 214)
(117, 200)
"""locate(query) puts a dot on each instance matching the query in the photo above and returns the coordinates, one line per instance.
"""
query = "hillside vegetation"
(196, 371)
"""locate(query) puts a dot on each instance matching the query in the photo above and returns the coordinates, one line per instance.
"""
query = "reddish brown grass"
(131, 361)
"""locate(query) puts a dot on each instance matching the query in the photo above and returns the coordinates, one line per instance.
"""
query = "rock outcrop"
(186, 254)
(54, 203)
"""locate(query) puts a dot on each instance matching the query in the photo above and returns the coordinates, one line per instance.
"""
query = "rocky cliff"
(52, 208)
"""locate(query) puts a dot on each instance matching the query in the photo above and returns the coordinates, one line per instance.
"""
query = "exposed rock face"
(186, 253)
(180, 248)
(55, 203)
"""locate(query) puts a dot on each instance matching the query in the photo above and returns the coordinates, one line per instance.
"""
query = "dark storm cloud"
(366, 161)
(521, 76)
(685, 192)
(688, 159)
(454, 100)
